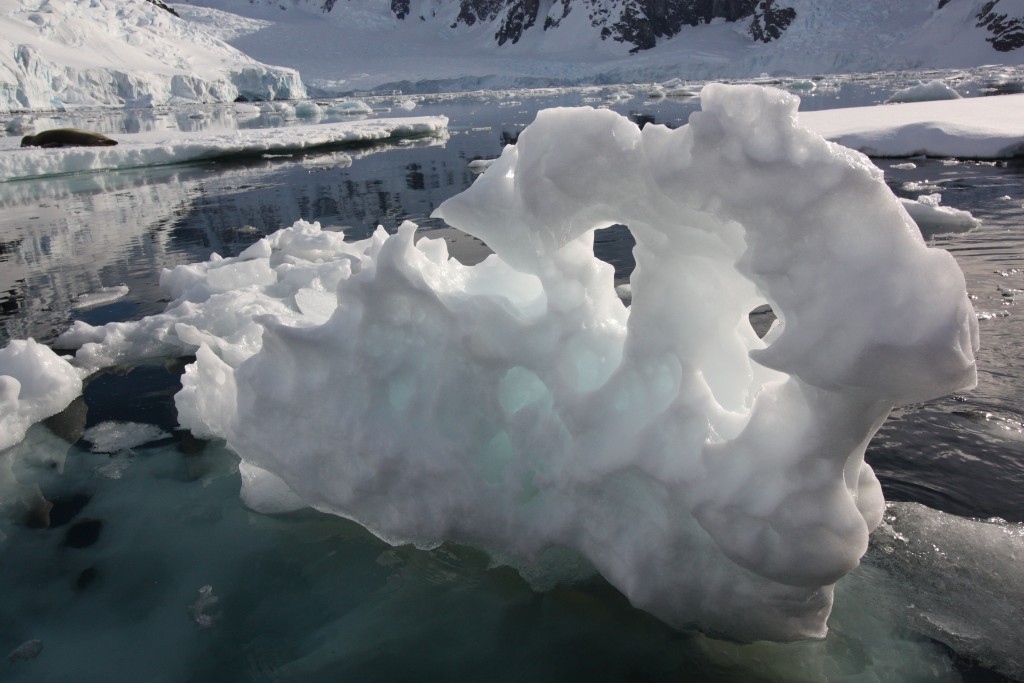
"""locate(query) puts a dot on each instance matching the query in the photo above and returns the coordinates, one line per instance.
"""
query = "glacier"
(714, 477)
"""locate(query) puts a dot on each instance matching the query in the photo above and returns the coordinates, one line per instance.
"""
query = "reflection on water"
(311, 597)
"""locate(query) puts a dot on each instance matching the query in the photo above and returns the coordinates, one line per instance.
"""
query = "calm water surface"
(151, 569)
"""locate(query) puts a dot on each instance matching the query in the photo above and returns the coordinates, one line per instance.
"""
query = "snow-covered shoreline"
(970, 128)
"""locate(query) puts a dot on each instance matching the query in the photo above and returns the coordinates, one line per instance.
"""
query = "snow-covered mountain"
(56, 53)
(346, 45)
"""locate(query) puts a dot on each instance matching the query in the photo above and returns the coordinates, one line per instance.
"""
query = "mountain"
(59, 53)
(429, 45)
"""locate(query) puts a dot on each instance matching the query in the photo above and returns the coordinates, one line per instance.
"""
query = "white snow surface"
(56, 54)
(969, 128)
(156, 148)
(517, 405)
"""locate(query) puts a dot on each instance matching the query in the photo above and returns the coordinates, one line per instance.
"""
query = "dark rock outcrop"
(769, 21)
(1007, 31)
(640, 23)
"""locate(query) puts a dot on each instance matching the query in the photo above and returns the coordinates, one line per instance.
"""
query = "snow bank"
(35, 383)
(970, 128)
(61, 53)
(161, 147)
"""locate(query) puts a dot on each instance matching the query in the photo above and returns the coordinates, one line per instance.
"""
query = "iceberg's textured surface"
(714, 477)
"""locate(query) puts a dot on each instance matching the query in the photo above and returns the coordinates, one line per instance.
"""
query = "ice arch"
(717, 479)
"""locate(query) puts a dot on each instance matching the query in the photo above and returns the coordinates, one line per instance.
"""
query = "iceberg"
(715, 477)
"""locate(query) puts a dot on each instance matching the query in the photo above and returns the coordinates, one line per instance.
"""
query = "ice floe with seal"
(716, 478)
(158, 148)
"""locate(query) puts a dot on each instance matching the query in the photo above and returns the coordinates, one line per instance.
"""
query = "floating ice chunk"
(350, 108)
(35, 383)
(30, 649)
(924, 92)
(934, 219)
(480, 165)
(111, 436)
(100, 297)
(960, 581)
(308, 110)
(406, 105)
(716, 478)
(200, 609)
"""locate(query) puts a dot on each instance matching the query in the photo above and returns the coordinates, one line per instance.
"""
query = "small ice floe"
(618, 96)
(116, 468)
(406, 105)
(19, 125)
(111, 436)
(676, 87)
(350, 108)
(992, 315)
(100, 297)
(30, 649)
(934, 219)
(906, 166)
(327, 161)
(198, 610)
(1003, 425)
(480, 165)
(308, 110)
(1010, 292)
(920, 186)
(924, 92)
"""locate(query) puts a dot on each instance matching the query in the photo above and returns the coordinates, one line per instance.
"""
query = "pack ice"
(716, 478)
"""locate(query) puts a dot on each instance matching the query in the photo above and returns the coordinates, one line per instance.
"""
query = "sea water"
(150, 568)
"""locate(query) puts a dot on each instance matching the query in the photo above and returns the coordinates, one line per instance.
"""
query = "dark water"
(114, 586)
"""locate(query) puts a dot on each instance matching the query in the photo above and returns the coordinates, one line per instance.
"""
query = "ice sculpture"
(717, 479)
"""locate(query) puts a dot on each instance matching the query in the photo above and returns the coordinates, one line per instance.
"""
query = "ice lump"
(716, 478)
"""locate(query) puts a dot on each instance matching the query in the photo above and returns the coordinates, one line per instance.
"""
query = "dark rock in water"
(30, 649)
(86, 578)
(69, 424)
(83, 534)
(67, 137)
(28, 506)
(65, 508)
(190, 444)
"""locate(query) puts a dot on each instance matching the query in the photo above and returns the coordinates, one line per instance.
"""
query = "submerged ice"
(716, 478)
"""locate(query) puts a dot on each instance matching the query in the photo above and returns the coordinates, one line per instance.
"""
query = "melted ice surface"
(517, 405)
